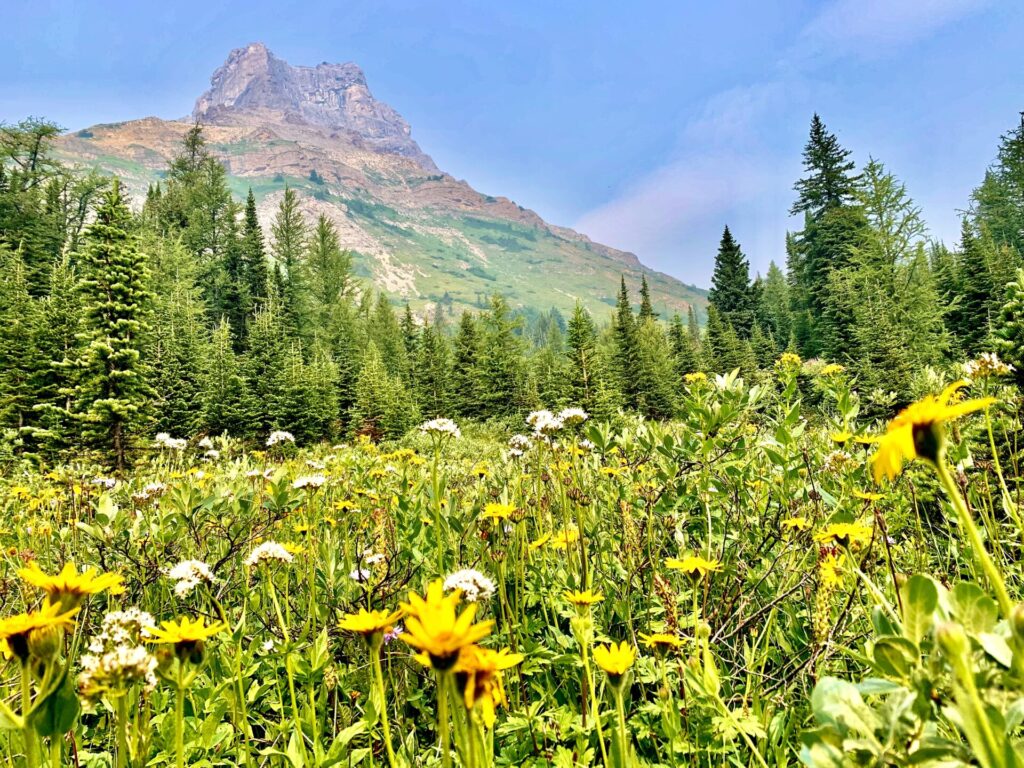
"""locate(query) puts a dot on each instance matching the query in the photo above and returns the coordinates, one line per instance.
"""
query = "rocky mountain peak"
(254, 86)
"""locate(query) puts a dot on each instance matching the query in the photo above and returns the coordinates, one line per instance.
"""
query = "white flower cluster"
(116, 657)
(309, 481)
(189, 574)
(987, 364)
(544, 423)
(441, 428)
(150, 492)
(474, 585)
(266, 474)
(279, 436)
(164, 440)
(268, 551)
(205, 443)
(519, 445)
(105, 482)
(573, 416)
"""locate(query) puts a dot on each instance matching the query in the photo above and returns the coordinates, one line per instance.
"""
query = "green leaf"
(920, 598)
(57, 711)
(974, 609)
(895, 656)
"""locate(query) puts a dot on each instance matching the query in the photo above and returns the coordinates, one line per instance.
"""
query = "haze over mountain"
(415, 231)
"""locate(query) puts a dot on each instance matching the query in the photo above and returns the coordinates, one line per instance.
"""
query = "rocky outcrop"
(254, 85)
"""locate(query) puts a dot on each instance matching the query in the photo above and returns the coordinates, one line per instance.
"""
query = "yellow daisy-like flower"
(436, 630)
(481, 471)
(661, 641)
(614, 659)
(69, 587)
(478, 672)
(611, 471)
(830, 570)
(15, 630)
(844, 534)
(916, 432)
(796, 524)
(565, 537)
(495, 511)
(369, 623)
(841, 437)
(695, 378)
(586, 597)
(540, 541)
(694, 566)
(184, 631)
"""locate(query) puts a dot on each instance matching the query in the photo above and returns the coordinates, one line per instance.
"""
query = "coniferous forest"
(259, 512)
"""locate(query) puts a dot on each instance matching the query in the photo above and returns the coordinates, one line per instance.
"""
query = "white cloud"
(870, 27)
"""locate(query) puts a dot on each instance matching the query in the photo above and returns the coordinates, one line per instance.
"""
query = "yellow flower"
(184, 631)
(614, 659)
(796, 524)
(661, 641)
(916, 432)
(497, 512)
(69, 587)
(694, 378)
(694, 566)
(345, 505)
(436, 630)
(586, 597)
(540, 541)
(841, 437)
(788, 360)
(831, 570)
(611, 471)
(565, 537)
(478, 670)
(15, 630)
(844, 534)
(368, 623)
(831, 369)
(481, 471)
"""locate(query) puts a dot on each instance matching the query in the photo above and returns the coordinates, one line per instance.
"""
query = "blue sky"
(647, 125)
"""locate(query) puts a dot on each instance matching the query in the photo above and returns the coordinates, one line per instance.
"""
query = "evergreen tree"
(656, 372)
(1009, 336)
(223, 398)
(432, 373)
(254, 255)
(330, 269)
(626, 346)
(261, 367)
(467, 377)
(19, 356)
(685, 355)
(772, 310)
(977, 304)
(503, 364)
(646, 308)
(289, 249)
(730, 286)
(113, 391)
(550, 370)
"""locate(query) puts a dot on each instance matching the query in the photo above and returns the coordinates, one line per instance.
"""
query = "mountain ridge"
(417, 232)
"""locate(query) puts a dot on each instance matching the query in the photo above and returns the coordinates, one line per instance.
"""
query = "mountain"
(415, 231)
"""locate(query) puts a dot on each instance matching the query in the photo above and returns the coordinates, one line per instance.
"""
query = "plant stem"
(378, 675)
(442, 720)
(31, 758)
(179, 719)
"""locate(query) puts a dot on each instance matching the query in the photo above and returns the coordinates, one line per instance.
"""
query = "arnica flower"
(565, 537)
(436, 630)
(478, 673)
(661, 641)
(917, 431)
(187, 636)
(796, 524)
(16, 630)
(69, 587)
(584, 598)
(868, 495)
(540, 541)
(481, 471)
(694, 566)
(841, 437)
(369, 623)
(844, 534)
(615, 660)
(496, 511)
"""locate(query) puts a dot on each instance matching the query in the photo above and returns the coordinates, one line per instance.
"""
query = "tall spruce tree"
(112, 391)
(626, 357)
(289, 249)
(254, 255)
(730, 286)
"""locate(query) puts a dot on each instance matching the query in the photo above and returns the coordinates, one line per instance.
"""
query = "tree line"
(185, 317)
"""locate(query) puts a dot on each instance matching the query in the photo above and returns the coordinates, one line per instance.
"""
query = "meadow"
(758, 582)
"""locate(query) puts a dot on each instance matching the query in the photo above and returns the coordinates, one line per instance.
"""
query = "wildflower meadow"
(771, 579)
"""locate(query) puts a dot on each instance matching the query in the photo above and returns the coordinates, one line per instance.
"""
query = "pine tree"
(772, 311)
(656, 375)
(503, 365)
(223, 397)
(261, 367)
(581, 349)
(730, 286)
(1009, 335)
(254, 255)
(550, 370)
(112, 391)
(626, 346)
(646, 308)
(692, 326)
(19, 357)
(289, 249)
(685, 356)
(432, 374)
(977, 300)
(330, 268)
(467, 377)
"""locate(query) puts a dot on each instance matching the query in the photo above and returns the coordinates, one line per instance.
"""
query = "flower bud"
(952, 640)
(1017, 620)
(45, 643)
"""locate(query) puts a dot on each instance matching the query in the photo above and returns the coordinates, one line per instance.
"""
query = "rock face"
(415, 232)
(254, 86)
